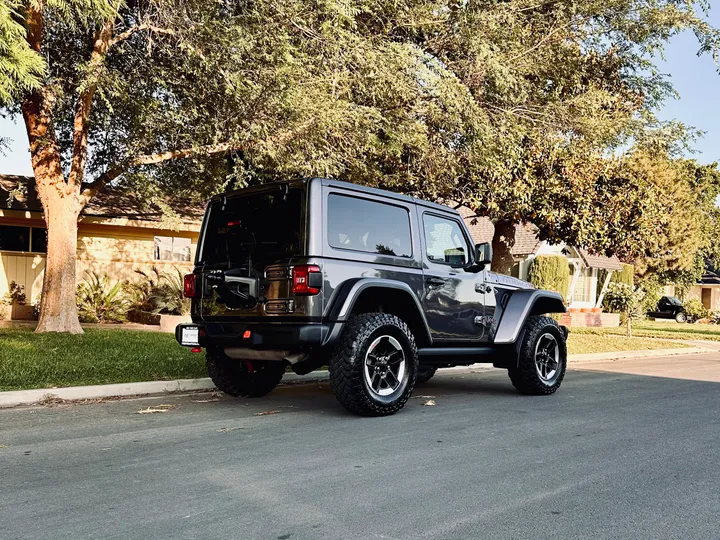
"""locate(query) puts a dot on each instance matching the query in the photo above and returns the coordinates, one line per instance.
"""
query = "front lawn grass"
(582, 341)
(100, 356)
(29, 360)
(662, 329)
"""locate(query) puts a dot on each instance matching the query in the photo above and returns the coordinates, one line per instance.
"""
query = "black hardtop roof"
(349, 186)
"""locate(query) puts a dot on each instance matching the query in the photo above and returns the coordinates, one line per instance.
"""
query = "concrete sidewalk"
(79, 393)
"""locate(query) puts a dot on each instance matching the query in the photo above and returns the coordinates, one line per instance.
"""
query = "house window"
(582, 287)
(27, 239)
(169, 248)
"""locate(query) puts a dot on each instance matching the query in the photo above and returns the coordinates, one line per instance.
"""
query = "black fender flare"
(522, 304)
(342, 306)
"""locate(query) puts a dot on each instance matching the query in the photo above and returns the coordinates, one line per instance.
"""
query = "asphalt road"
(612, 455)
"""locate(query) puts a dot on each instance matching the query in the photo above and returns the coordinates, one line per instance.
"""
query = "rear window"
(261, 228)
(364, 225)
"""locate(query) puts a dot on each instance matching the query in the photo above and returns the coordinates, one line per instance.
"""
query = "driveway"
(626, 449)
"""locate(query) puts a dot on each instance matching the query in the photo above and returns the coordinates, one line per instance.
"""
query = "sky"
(695, 78)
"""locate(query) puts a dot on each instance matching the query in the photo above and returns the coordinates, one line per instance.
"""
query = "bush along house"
(585, 280)
(118, 234)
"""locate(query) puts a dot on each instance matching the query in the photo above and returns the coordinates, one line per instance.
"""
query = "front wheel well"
(544, 305)
(396, 302)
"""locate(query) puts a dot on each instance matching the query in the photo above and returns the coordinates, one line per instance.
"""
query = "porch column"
(573, 283)
(604, 289)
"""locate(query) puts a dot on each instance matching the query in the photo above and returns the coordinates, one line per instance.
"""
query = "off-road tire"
(525, 377)
(425, 373)
(347, 364)
(680, 317)
(234, 378)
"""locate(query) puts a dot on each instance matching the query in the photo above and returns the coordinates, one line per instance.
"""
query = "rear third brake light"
(190, 289)
(306, 280)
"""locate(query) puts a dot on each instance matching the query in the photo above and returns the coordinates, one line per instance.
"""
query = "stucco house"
(117, 234)
(707, 290)
(585, 290)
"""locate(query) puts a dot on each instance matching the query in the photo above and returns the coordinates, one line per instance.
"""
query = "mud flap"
(509, 355)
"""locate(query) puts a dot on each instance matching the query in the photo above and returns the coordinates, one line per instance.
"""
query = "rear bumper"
(283, 336)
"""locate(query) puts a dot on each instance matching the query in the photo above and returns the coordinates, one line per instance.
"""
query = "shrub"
(15, 295)
(653, 292)
(715, 317)
(99, 301)
(626, 275)
(159, 292)
(550, 272)
(626, 300)
(167, 297)
(695, 310)
(139, 292)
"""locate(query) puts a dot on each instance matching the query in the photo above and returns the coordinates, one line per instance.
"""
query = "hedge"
(550, 272)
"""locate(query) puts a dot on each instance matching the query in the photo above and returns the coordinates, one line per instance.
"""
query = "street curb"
(623, 355)
(75, 393)
(78, 393)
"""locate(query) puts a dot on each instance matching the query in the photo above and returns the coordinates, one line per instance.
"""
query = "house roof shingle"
(19, 193)
(527, 241)
(600, 261)
(482, 230)
(710, 278)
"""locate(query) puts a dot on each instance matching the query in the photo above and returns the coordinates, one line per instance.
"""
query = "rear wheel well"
(396, 302)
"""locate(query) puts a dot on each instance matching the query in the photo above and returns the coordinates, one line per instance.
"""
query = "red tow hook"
(196, 349)
(249, 366)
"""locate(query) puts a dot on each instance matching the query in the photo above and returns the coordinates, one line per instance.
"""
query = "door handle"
(434, 280)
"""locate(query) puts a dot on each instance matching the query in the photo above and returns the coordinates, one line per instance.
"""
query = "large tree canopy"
(512, 107)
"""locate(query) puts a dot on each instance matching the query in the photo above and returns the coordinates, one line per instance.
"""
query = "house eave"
(181, 225)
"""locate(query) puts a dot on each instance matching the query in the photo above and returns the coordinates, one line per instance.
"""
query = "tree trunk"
(58, 310)
(502, 244)
(61, 207)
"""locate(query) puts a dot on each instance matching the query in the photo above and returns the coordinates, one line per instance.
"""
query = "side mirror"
(483, 257)
(483, 253)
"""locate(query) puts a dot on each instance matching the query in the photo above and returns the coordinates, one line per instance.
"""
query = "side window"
(444, 240)
(363, 225)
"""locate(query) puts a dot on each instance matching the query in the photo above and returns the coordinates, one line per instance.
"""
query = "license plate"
(190, 335)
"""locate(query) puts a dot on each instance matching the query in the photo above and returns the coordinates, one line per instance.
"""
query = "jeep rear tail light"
(190, 288)
(306, 280)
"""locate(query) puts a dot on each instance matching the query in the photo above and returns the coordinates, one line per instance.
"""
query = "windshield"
(262, 228)
(674, 301)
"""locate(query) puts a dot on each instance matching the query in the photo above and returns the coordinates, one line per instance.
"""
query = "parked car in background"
(669, 307)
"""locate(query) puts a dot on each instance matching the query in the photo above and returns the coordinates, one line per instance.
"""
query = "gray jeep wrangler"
(382, 288)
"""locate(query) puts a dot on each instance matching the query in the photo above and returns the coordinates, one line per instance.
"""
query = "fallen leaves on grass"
(228, 429)
(157, 409)
(266, 413)
(429, 403)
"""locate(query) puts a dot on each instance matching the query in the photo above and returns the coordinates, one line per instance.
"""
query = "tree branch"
(129, 32)
(36, 109)
(152, 159)
(84, 103)
(539, 43)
